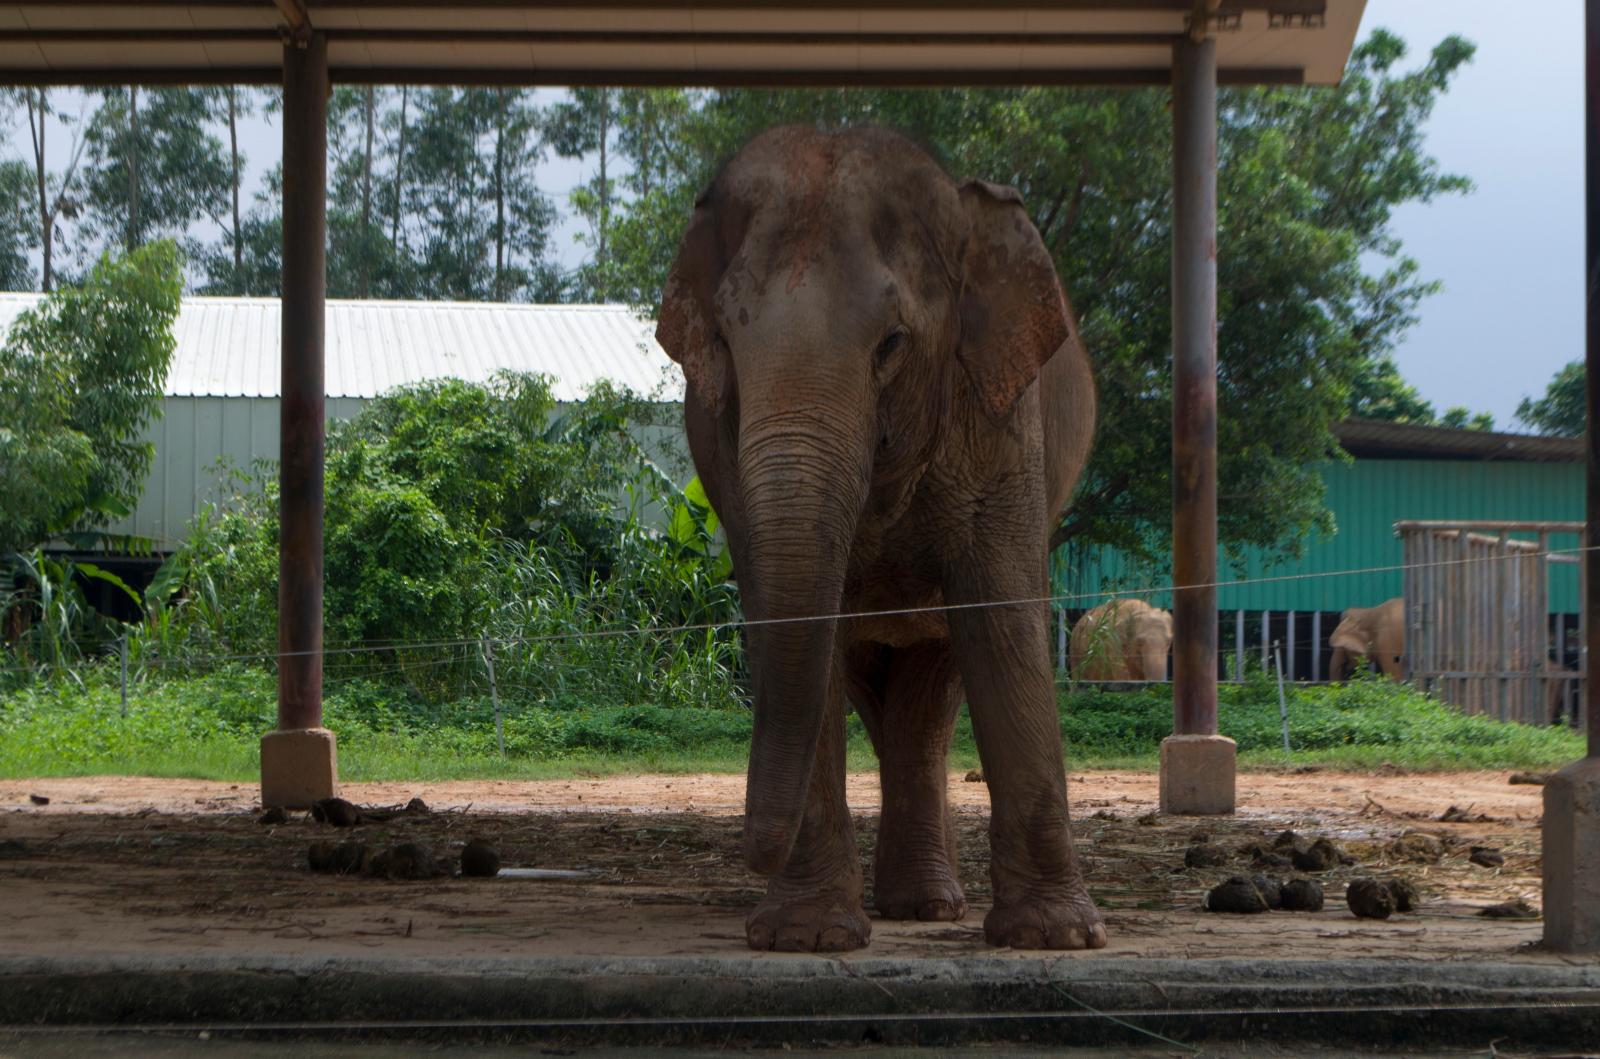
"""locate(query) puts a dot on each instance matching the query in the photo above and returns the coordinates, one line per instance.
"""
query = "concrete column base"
(298, 766)
(1571, 854)
(1197, 775)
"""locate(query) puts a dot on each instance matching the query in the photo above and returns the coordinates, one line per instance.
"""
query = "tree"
(583, 125)
(81, 374)
(1314, 291)
(1560, 412)
(154, 167)
(54, 192)
(18, 230)
(479, 221)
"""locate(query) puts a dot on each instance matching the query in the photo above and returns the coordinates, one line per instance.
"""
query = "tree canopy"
(1560, 412)
(80, 375)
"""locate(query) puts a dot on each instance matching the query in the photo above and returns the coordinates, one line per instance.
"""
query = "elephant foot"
(827, 921)
(931, 895)
(1066, 922)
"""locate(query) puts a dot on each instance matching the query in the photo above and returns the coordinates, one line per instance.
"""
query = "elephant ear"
(1013, 315)
(686, 327)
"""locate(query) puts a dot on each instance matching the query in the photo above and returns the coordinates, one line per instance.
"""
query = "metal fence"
(1478, 630)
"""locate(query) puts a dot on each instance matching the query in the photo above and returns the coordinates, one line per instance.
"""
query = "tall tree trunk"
(133, 167)
(366, 204)
(499, 195)
(36, 128)
(399, 168)
(233, 149)
(605, 190)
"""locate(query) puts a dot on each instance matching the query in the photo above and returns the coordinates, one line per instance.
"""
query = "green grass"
(209, 727)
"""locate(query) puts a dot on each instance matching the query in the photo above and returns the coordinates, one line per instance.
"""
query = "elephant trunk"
(804, 486)
(1339, 664)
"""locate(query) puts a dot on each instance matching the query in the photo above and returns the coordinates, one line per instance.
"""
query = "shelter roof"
(673, 42)
(229, 347)
(1381, 440)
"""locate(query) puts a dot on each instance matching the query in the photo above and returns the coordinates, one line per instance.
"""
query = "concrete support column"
(1571, 828)
(298, 761)
(1197, 765)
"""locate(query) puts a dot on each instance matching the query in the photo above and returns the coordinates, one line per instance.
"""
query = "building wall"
(198, 438)
(1367, 497)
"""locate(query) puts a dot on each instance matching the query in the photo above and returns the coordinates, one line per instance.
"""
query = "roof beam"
(552, 76)
(297, 21)
(762, 38)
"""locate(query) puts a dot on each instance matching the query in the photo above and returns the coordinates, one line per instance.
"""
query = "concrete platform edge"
(689, 998)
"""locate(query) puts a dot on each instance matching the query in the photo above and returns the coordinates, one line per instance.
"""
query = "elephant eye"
(892, 344)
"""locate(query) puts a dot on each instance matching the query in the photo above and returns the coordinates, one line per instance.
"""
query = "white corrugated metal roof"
(228, 347)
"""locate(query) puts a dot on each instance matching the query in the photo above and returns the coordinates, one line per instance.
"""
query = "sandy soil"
(123, 864)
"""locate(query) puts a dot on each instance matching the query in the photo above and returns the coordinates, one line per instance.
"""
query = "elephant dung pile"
(1260, 892)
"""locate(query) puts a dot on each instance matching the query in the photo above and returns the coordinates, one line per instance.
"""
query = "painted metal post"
(1194, 387)
(298, 761)
(305, 160)
(1570, 831)
(1197, 765)
(122, 658)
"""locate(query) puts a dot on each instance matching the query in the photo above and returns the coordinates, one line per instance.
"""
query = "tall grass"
(209, 726)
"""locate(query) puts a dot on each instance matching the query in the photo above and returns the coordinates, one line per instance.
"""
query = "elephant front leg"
(1039, 898)
(815, 903)
(914, 868)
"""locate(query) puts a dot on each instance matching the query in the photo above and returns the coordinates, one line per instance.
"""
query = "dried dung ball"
(343, 858)
(478, 858)
(336, 811)
(1270, 889)
(274, 815)
(1238, 895)
(1272, 860)
(1487, 857)
(1370, 898)
(974, 776)
(417, 805)
(1417, 846)
(1287, 840)
(1321, 855)
(1205, 855)
(1405, 894)
(1516, 908)
(1302, 895)
(408, 860)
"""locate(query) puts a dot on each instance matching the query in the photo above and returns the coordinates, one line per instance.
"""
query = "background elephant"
(888, 406)
(1123, 639)
(1375, 633)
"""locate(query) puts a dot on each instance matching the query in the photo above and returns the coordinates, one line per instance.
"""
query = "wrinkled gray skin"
(1377, 634)
(889, 407)
(1123, 639)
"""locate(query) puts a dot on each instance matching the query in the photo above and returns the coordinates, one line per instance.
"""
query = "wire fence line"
(368, 647)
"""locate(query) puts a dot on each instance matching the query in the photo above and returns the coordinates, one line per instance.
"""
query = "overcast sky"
(1510, 255)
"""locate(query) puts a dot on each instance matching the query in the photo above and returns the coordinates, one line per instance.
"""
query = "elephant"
(888, 405)
(1123, 639)
(1375, 633)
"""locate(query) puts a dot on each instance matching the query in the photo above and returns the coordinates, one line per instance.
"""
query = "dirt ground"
(135, 865)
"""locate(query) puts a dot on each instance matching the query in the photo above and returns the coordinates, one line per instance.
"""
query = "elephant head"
(834, 297)
(1124, 639)
(1148, 641)
(1374, 633)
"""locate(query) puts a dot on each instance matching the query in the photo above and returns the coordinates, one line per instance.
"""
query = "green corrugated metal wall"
(1367, 498)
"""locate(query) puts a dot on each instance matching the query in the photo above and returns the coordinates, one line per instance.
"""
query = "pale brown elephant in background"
(889, 407)
(1377, 634)
(1123, 639)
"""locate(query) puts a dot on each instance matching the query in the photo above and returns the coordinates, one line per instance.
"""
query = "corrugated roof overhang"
(1381, 440)
(711, 42)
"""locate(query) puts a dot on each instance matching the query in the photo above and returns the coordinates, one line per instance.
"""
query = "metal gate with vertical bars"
(1477, 617)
